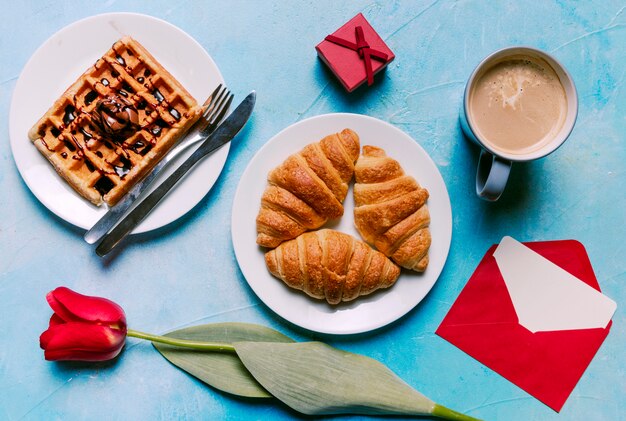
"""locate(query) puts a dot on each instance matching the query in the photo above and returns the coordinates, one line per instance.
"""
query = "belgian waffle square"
(112, 125)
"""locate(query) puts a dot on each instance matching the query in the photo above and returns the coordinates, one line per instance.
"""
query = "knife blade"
(223, 134)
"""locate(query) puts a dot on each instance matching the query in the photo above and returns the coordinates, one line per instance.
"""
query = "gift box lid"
(348, 64)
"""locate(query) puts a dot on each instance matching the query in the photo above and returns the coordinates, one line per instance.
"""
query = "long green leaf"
(224, 371)
(317, 379)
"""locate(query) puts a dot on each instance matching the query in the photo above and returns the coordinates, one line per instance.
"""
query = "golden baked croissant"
(331, 265)
(390, 210)
(307, 189)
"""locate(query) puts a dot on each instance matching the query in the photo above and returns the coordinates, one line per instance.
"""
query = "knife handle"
(142, 210)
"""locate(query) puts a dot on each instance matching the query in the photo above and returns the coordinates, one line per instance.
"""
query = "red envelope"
(482, 322)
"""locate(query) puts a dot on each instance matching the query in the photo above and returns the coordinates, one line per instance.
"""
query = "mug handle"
(491, 176)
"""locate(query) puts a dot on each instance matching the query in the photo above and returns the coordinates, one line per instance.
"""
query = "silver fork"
(215, 108)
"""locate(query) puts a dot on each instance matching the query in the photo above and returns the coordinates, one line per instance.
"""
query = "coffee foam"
(517, 104)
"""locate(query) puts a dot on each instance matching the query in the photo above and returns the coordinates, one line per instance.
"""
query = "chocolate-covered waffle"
(112, 125)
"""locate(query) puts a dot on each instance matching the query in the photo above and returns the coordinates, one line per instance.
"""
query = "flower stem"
(448, 414)
(183, 343)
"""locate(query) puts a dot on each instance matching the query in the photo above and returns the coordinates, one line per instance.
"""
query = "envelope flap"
(484, 301)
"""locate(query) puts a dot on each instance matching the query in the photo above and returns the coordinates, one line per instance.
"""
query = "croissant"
(307, 189)
(331, 265)
(390, 211)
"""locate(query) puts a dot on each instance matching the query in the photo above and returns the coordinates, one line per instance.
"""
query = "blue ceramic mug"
(495, 161)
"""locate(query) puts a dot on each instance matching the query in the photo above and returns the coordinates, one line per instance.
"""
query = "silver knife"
(223, 134)
(115, 212)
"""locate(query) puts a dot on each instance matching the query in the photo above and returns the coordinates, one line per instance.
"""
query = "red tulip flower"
(83, 328)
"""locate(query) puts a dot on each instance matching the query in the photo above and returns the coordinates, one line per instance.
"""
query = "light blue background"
(186, 273)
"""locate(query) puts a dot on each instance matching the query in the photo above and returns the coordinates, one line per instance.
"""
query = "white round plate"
(58, 63)
(368, 312)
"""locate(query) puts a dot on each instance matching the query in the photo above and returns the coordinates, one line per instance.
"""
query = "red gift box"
(355, 53)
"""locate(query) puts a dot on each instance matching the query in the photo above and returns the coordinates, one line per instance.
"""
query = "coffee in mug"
(520, 104)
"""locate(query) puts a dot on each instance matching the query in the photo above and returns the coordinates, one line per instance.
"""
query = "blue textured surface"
(186, 273)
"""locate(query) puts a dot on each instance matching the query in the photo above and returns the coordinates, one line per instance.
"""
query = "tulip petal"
(58, 308)
(80, 355)
(72, 306)
(77, 341)
(44, 339)
(56, 320)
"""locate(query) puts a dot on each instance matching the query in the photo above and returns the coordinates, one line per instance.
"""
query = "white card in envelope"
(545, 296)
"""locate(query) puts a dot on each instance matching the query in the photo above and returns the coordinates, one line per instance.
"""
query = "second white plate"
(365, 313)
(57, 64)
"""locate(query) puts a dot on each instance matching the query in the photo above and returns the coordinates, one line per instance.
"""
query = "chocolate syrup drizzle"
(115, 120)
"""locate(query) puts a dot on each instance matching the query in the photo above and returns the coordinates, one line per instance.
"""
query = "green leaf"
(317, 379)
(224, 371)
